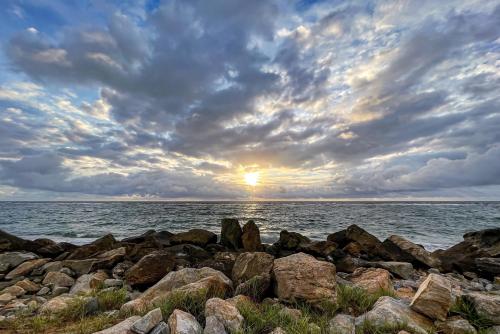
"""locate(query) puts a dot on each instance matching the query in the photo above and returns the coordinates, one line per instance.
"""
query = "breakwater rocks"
(201, 282)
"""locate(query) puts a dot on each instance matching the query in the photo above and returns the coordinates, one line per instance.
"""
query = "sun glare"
(252, 178)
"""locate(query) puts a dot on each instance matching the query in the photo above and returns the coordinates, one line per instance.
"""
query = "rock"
(368, 242)
(181, 322)
(250, 264)
(488, 266)
(342, 324)
(493, 330)
(455, 325)
(88, 282)
(318, 248)
(25, 268)
(28, 285)
(251, 237)
(300, 277)
(59, 290)
(406, 293)
(43, 291)
(9, 242)
(108, 259)
(122, 327)
(292, 240)
(406, 251)
(196, 237)
(14, 290)
(147, 322)
(214, 326)
(67, 271)
(480, 244)
(121, 268)
(150, 269)
(393, 311)
(225, 312)
(371, 279)
(433, 297)
(113, 283)
(340, 238)
(58, 279)
(278, 330)
(176, 280)
(141, 238)
(80, 267)
(56, 304)
(161, 328)
(100, 245)
(221, 261)
(189, 252)
(400, 269)
(255, 288)
(6, 298)
(353, 249)
(231, 233)
(487, 304)
(13, 259)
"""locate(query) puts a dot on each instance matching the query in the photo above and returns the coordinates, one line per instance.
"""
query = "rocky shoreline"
(199, 282)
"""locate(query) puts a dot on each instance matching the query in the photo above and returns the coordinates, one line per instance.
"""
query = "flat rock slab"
(122, 327)
(181, 322)
(433, 297)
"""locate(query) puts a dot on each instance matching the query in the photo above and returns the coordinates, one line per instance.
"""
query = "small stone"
(214, 326)
(28, 285)
(6, 298)
(14, 290)
(112, 282)
(161, 328)
(120, 328)
(433, 297)
(371, 279)
(58, 279)
(342, 324)
(278, 330)
(181, 322)
(147, 322)
(292, 313)
(87, 282)
(225, 312)
(43, 291)
(56, 304)
(59, 290)
(67, 271)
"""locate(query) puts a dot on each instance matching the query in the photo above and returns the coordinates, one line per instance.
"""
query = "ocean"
(432, 224)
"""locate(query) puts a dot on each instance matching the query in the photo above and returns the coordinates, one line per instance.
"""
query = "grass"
(356, 301)
(75, 318)
(192, 302)
(466, 309)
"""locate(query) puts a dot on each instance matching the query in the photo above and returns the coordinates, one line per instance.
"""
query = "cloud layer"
(179, 99)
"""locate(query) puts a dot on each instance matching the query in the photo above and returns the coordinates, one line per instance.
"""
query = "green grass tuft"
(111, 299)
(356, 301)
(466, 309)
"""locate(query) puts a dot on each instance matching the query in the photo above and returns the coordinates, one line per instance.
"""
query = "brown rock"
(487, 304)
(25, 268)
(318, 248)
(455, 325)
(108, 259)
(433, 297)
(225, 312)
(292, 240)
(372, 279)
(100, 245)
(353, 249)
(88, 282)
(58, 279)
(28, 285)
(368, 242)
(150, 269)
(123, 327)
(251, 237)
(251, 264)
(80, 267)
(196, 237)
(181, 322)
(231, 233)
(300, 277)
(9, 242)
(406, 251)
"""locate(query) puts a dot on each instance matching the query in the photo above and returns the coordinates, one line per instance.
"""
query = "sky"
(244, 100)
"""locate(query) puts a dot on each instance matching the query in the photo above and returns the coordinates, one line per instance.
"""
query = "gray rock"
(67, 271)
(113, 282)
(121, 328)
(214, 326)
(58, 279)
(486, 303)
(342, 324)
(181, 322)
(43, 291)
(59, 290)
(13, 259)
(147, 322)
(455, 325)
(161, 328)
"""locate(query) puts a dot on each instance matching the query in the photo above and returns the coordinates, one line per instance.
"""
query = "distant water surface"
(434, 225)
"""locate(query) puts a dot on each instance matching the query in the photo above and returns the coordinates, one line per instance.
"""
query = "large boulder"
(214, 326)
(300, 277)
(406, 251)
(251, 237)
(371, 279)
(9, 242)
(319, 248)
(370, 245)
(25, 268)
(150, 269)
(487, 304)
(433, 297)
(196, 237)
(13, 259)
(250, 264)
(388, 310)
(488, 266)
(100, 245)
(340, 238)
(176, 280)
(86, 283)
(461, 257)
(231, 233)
(292, 240)
(181, 322)
(108, 259)
(123, 327)
(226, 313)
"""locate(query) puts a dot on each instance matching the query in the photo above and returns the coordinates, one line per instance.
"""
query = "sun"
(252, 178)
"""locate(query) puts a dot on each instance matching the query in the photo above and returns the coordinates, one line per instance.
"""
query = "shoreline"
(41, 277)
